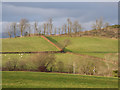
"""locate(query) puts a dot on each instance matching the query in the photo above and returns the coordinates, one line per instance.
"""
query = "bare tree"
(70, 27)
(9, 30)
(65, 43)
(62, 30)
(50, 25)
(106, 25)
(36, 27)
(75, 26)
(55, 30)
(88, 68)
(23, 25)
(68, 20)
(65, 28)
(45, 28)
(40, 30)
(79, 28)
(14, 26)
(28, 29)
(59, 30)
(98, 25)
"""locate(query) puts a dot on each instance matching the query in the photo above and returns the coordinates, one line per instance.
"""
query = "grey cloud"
(85, 13)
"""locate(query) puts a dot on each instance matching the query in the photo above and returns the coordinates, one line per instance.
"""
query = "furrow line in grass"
(93, 57)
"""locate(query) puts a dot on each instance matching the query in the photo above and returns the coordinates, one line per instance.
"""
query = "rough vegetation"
(63, 63)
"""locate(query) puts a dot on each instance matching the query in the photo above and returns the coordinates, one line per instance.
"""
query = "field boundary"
(30, 52)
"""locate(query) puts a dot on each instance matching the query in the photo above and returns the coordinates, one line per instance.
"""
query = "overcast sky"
(85, 12)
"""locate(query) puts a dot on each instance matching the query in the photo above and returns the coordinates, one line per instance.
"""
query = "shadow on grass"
(55, 42)
(58, 44)
(66, 50)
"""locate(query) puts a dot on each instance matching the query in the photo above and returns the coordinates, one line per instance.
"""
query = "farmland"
(81, 49)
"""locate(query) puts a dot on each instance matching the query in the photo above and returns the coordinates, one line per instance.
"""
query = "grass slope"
(55, 80)
(26, 44)
(94, 46)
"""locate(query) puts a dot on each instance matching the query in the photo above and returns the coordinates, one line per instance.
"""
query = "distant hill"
(110, 32)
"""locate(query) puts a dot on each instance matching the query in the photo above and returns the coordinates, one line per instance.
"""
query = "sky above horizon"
(85, 12)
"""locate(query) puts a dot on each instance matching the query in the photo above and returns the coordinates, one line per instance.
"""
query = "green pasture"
(15, 79)
(26, 44)
(94, 46)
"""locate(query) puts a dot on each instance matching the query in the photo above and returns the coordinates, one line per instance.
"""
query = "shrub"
(22, 65)
(88, 68)
(43, 61)
(60, 66)
(11, 65)
(115, 73)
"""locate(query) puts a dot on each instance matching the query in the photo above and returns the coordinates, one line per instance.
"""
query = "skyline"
(85, 12)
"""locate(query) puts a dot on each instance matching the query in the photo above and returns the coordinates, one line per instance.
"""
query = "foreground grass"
(26, 44)
(54, 80)
(94, 46)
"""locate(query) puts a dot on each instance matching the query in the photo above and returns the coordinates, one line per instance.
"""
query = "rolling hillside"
(78, 52)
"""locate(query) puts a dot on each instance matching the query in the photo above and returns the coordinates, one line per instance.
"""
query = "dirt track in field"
(52, 43)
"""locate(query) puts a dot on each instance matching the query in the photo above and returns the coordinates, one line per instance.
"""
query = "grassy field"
(26, 44)
(55, 80)
(104, 47)
(94, 46)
